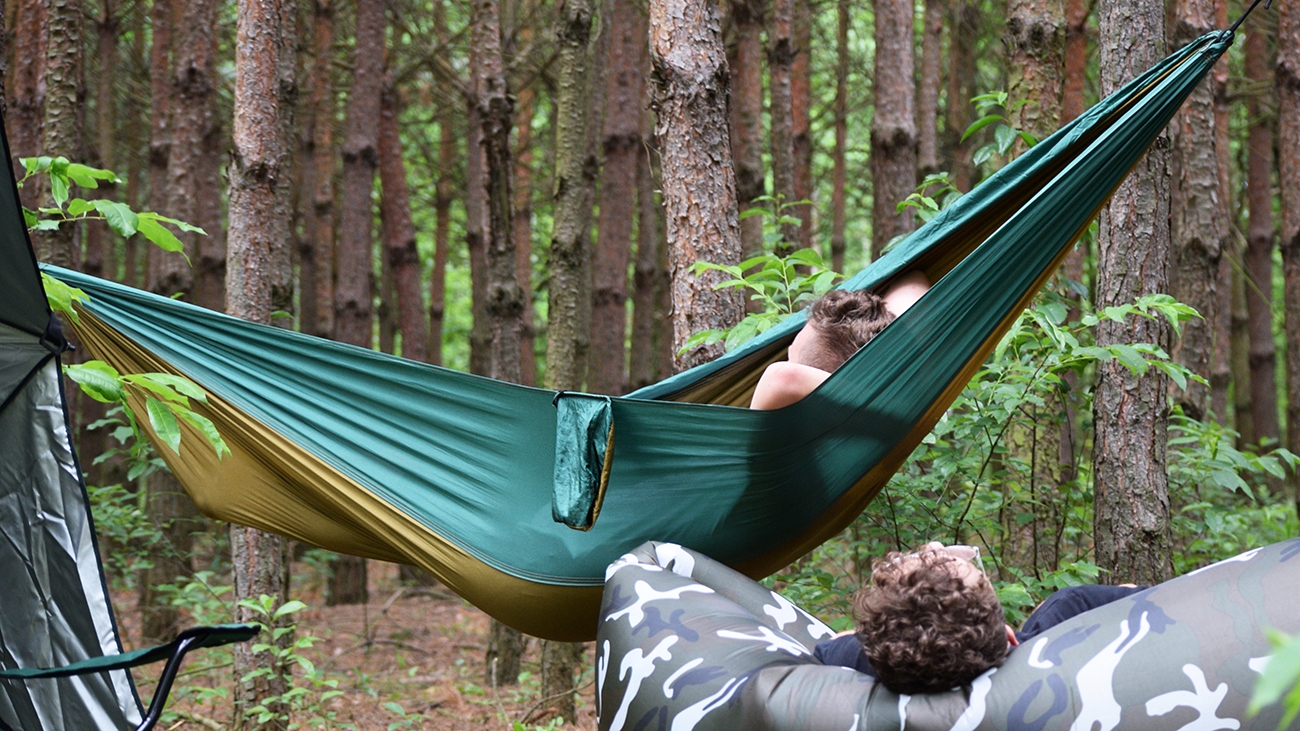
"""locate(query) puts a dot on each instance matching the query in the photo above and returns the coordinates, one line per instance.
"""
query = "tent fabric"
(365, 453)
(686, 643)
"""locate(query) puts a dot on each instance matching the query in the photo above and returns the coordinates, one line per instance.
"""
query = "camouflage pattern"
(686, 643)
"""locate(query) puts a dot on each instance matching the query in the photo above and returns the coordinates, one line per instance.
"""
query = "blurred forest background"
(518, 188)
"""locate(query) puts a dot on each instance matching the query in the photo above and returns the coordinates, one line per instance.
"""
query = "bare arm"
(784, 383)
(904, 292)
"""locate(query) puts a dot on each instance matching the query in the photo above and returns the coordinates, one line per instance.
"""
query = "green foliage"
(63, 175)
(996, 115)
(125, 531)
(308, 695)
(1280, 680)
(934, 194)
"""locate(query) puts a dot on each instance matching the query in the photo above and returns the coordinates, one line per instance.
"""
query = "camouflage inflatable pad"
(686, 643)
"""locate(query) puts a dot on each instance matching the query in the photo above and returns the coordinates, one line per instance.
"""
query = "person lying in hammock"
(930, 621)
(839, 323)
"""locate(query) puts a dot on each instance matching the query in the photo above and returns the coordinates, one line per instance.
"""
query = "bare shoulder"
(784, 383)
(905, 291)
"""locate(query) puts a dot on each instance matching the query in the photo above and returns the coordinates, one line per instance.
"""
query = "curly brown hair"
(924, 627)
(845, 320)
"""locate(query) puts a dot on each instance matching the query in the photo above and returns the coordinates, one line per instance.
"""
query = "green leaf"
(1130, 358)
(60, 296)
(983, 154)
(29, 217)
(289, 607)
(58, 188)
(186, 227)
(180, 383)
(160, 235)
(79, 207)
(164, 423)
(88, 177)
(98, 380)
(119, 217)
(980, 124)
(46, 224)
(1005, 136)
(1028, 139)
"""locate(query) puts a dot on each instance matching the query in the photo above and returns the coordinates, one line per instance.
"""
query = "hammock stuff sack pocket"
(584, 452)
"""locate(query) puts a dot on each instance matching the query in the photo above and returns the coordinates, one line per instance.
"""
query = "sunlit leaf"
(164, 423)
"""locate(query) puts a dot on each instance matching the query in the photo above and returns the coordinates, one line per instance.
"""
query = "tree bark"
(399, 243)
(801, 120)
(61, 121)
(1076, 60)
(927, 92)
(1198, 224)
(1221, 361)
(699, 183)
(26, 88)
(780, 59)
(577, 166)
(1243, 408)
(441, 235)
(522, 231)
(1131, 504)
(160, 18)
(961, 81)
(646, 317)
(893, 127)
(839, 181)
(99, 260)
(746, 116)
(353, 314)
(174, 514)
(1260, 239)
(316, 288)
(561, 664)
(623, 148)
(258, 278)
(476, 232)
(1035, 40)
(1288, 132)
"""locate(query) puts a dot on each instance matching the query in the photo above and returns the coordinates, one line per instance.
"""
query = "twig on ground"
(201, 720)
(527, 717)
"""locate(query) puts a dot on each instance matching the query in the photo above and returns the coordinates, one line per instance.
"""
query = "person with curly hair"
(839, 323)
(930, 621)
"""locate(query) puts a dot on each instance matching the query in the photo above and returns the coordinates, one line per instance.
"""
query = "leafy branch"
(1005, 133)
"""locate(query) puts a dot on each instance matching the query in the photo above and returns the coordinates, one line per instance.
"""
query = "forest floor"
(419, 648)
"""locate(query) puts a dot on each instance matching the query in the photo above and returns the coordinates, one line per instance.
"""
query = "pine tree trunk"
(699, 183)
(386, 310)
(316, 286)
(1260, 238)
(522, 231)
(1131, 504)
(643, 368)
(961, 81)
(746, 116)
(576, 169)
(801, 119)
(1242, 406)
(1035, 42)
(174, 514)
(1076, 60)
(476, 232)
(561, 666)
(780, 58)
(61, 121)
(927, 92)
(258, 275)
(893, 127)
(353, 315)
(441, 235)
(1221, 360)
(399, 244)
(1198, 225)
(839, 180)
(623, 148)
(26, 88)
(160, 20)
(1288, 132)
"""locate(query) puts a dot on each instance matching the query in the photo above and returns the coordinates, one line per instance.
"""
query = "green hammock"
(474, 479)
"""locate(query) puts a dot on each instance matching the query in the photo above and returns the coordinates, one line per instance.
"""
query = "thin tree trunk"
(746, 116)
(1243, 409)
(174, 514)
(353, 315)
(476, 232)
(893, 127)
(801, 120)
(577, 166)
(1221, 361)
(399, 243)
(961, 81)
(1260, 239)
(927, 93)
(386, 310)
(1288, 132)
(522, 231)
(441, 235)
(699, 183)
(643, 368)
(160, 18)
(61, 121)
(780, 58)
(258, 276)
(1131, 504)
(26, 102)
(1072, 105)
(316, 255)
(839, 181)
(623, 148)
(1198, 225)
(1035, 41)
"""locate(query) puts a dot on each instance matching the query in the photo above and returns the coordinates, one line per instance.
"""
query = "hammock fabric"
(364, 453)
(688, 644)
